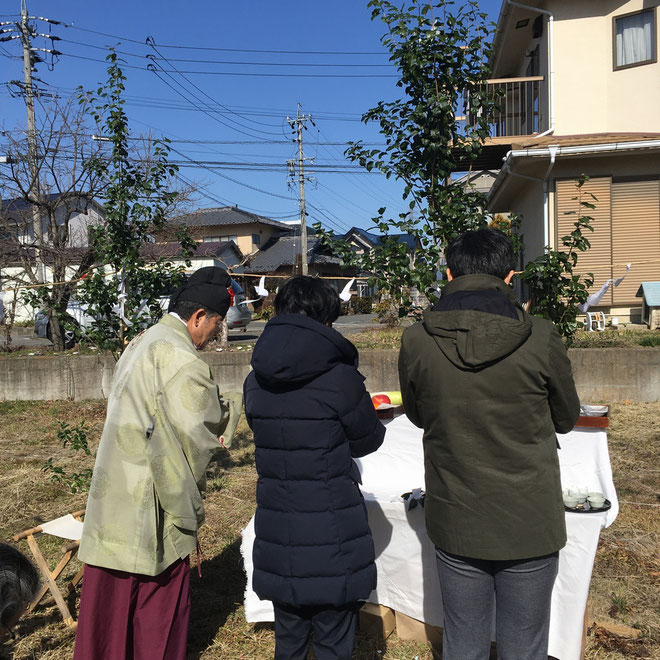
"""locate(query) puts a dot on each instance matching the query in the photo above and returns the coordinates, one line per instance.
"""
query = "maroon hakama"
(126, 616)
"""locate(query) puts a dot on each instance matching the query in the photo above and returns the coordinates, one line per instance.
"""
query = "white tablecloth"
(405, 558)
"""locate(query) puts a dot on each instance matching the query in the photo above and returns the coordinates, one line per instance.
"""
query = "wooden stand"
(68, 551)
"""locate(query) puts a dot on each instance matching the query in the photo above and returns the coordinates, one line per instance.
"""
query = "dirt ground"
(625, 586)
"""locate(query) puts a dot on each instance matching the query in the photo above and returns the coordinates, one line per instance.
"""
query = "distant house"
(224, 254)
(480, 181)
(18, 257)
(250, 232)
(363, 241)
(82, 212)
(580, 92)
(282, 256)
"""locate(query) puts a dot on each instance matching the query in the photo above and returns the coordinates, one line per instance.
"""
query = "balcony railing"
(520, 107)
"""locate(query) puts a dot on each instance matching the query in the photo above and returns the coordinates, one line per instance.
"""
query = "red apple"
(379, 399)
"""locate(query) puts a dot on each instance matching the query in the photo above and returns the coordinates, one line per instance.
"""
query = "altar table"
(405, 557)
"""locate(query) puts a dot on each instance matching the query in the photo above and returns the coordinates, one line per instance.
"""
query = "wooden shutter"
(635, 236)
(598, 258)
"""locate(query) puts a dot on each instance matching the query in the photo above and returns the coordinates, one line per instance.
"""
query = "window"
(218, 239)
(256, 239)
(634, 39)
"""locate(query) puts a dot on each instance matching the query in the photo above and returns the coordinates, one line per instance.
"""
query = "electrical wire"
(153, 46)
(233, 50)
(233, 62)
(240, 183)
(245, 73)
(220, 200)
(200, 108)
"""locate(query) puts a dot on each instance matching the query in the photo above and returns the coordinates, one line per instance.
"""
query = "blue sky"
(238, 108)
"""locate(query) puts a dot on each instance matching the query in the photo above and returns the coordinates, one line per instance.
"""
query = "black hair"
(186, 308)
(310, 296)
(481, 252)
(19, 583)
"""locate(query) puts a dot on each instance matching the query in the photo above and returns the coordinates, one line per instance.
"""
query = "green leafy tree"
(440, 52)
(75, 438)
(555, 288)
(123, 293)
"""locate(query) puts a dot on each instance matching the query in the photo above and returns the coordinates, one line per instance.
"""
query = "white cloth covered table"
(405, 557)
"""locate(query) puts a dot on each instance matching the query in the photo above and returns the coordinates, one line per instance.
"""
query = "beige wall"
(242, 232)
(590, 97)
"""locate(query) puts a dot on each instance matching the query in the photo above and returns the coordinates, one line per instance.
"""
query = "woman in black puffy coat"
(311, 415)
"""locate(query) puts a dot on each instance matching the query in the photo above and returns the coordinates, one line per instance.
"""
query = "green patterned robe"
(164, 419)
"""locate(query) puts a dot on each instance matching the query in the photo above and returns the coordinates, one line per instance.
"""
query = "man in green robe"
(165, 420)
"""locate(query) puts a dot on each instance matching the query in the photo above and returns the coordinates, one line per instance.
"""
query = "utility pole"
(299, 123)
(32, 140)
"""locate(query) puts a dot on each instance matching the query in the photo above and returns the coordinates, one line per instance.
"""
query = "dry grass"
(624, 586)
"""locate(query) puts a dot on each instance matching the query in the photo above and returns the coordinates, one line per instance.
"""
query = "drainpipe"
(552, 151)
(546, 196)
(551, 62)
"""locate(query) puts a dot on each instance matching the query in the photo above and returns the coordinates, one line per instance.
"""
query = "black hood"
(473, 338)
(294, 349)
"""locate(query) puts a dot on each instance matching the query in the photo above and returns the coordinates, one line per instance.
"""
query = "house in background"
(248, 231)
(362, 241)
(480, 181)
(282, 256)
(81, 211)
(18, 257)
(580, 85)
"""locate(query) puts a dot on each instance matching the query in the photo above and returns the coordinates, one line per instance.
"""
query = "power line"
(201, 91)
(240, 183)
(219, 200)
(199, 107)
(245, 73)
(234, 62)
(234, 50)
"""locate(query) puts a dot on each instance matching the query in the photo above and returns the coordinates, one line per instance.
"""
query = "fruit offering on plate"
(386, 399)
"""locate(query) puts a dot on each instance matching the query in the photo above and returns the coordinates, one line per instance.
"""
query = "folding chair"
(68, 527)
(594, 321)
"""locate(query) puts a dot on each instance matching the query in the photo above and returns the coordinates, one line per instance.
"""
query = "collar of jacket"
(179, 328)
(480, 283)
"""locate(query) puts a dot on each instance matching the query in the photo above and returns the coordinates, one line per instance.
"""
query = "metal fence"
(520, 107)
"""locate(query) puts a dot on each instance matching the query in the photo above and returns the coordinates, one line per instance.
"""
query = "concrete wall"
(601, 374)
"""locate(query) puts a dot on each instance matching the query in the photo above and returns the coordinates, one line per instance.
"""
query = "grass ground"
(625, 586)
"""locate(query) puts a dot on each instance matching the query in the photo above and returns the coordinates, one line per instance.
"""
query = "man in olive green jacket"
(165, 421)
(490, 385)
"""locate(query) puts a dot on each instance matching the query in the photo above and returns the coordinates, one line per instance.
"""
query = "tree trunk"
(223, 336)
(56, 331)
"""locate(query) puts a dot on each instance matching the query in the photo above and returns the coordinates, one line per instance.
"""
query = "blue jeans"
(519, 591)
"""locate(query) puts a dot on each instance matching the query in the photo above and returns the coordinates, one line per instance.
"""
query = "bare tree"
(64, 191)
(66, 187)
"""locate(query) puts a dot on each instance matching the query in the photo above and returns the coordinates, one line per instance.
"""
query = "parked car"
(238, 316)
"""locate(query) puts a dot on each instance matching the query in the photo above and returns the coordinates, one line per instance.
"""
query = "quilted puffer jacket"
(307, 405)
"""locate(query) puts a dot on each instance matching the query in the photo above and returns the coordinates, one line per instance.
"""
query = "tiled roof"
(224, 215)
(375, 239)
(650, 291)
(282, 251)
(173, 249)
(18, 204)
(579, 140)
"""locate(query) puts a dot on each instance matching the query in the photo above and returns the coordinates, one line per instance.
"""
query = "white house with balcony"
(580, 94)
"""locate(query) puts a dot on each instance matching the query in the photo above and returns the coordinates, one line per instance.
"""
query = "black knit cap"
(208, 287)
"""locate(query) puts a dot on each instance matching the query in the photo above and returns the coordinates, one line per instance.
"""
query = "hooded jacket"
(490, 385)
(307, 405)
